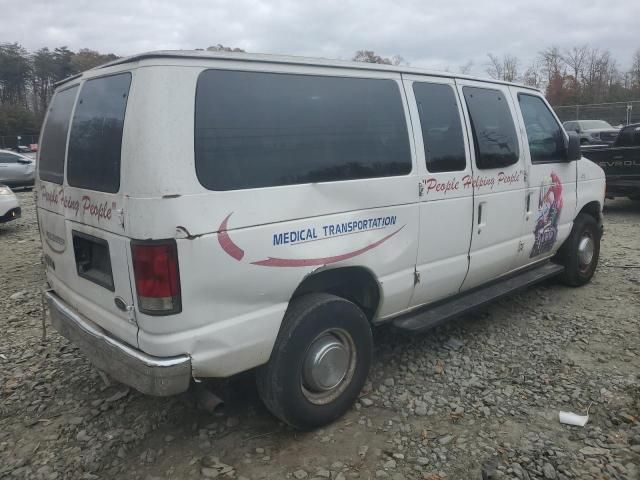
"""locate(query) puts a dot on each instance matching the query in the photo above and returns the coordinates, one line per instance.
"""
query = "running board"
(466, 302)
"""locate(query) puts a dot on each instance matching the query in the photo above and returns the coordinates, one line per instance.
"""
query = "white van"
(203, 214)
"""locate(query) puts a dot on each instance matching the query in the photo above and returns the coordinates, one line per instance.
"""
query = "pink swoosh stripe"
(309, 262)
(226, 243)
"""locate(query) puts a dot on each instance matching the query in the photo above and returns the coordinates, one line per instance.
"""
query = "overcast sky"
(437, 34)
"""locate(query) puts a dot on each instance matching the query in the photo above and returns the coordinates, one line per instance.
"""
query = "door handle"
(528, 205)
(482, 212)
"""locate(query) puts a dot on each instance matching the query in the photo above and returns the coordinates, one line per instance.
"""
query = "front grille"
(608, 136)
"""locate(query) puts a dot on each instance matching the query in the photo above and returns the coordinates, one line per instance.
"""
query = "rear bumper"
(160, 376)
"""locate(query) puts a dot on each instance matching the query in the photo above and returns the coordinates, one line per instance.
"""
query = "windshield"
(594, 124)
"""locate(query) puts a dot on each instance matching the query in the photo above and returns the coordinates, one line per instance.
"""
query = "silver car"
(16, 170)
(593, 132)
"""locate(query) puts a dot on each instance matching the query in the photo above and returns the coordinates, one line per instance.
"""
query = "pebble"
(366, 402)
(549, 471)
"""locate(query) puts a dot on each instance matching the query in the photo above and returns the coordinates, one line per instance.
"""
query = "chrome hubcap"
(586, 250)
(328, 366)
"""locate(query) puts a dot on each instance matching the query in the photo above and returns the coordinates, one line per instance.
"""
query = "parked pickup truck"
(620, 162)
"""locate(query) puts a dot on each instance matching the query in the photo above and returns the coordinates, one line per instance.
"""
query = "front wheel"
(319, 362)
(581, 251)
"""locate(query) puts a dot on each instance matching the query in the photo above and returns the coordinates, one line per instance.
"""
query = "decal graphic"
(549, 209)
(477, 182)
(310, 235)
(56, 243)
(85, 205)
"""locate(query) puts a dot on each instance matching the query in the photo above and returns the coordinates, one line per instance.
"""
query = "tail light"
(157, 278)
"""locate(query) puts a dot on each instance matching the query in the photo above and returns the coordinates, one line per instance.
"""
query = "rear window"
(95, 143)
(256, 129)
(54, 136)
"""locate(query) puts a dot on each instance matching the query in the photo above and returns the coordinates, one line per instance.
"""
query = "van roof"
(292, 60)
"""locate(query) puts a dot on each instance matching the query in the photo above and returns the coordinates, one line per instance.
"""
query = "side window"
(257, 129)
(8, 158)
(54, 136)
(95, 142)
(441, 127)
(545, 136)
(494, 133)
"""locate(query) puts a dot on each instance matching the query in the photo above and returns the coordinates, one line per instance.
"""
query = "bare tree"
(369, 56)
(635, 71)
(599, 73)
(551, 62)
(494, 68)
(533, 75)
(466, 68)
(503, 69)
(575, 59)
(221, 48)
(398, 60)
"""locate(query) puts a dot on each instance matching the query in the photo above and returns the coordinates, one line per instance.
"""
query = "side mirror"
(573, 147)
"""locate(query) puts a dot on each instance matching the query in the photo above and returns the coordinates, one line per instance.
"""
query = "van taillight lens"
(155, 267)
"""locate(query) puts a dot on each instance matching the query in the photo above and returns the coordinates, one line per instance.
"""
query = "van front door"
(499, 181)
(446, 204)
(551, 195)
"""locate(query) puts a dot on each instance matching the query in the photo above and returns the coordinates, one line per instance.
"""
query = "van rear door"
(81, 213)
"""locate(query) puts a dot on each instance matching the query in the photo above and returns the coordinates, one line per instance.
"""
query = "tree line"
(27, 82)
(577, 75)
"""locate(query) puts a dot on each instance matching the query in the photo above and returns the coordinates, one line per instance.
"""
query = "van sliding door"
(446, 201)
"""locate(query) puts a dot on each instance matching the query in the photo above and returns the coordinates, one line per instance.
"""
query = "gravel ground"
(477, 398)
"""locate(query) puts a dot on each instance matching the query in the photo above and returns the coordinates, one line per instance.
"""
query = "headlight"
(5, 190)
(596, 135)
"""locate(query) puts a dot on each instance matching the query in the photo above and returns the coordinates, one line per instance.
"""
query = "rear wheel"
(319, 362)
(581, 251)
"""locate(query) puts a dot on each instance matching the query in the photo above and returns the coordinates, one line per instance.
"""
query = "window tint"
(441, 127)
(494, 134)
(54, 136)
(546, 138)
(263, 129)
(8, 158)
(96, 134)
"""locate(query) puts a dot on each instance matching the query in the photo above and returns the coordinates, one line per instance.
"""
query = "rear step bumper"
(160, 376)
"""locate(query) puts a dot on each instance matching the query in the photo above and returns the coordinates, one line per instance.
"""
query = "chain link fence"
(616, 113)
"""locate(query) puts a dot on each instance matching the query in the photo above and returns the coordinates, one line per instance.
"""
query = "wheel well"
(356, 284)
(593, 209)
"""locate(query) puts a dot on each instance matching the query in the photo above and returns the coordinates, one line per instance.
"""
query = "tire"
(286, 384)
(578, 271)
